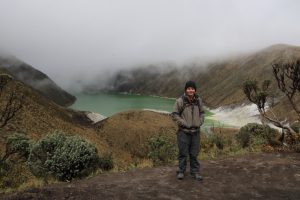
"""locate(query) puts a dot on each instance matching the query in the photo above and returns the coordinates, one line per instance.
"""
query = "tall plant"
(288, 80)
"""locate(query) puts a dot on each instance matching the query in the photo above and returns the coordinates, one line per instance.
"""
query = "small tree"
(258, 96)
(13, 100)
(288, 80)
(17, 143)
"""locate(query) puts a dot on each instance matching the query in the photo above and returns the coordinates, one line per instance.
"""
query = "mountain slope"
(39, 117)
(219, 83)
(37, 80)
(222, 83)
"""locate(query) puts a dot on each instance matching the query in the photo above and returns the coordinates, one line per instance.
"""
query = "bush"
(257, 140)
(4, 171)
(11, 169)
(12, 174)
(106, 162)
(63, 157)
(295, 127)
(221, 139)
(162, 149)
(215, 139)
(296, 147)
(255, 134)
(42, 151)
(17, 143)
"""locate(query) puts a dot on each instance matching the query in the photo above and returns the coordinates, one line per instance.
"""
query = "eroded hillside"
(219, 83)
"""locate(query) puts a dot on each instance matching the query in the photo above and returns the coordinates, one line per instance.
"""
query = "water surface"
(108, 104)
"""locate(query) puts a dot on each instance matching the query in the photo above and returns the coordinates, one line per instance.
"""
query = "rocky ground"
(254, 176)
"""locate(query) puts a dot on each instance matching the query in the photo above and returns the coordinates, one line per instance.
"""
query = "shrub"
(162, 149)
(17, 143)
(63, 157)
(221, 138)
(215, 139)
(255, 134)
(106, 162)
(296, 147)
(12, 174)
(44, 150)
(205, 143)
(295, 127)
(4, 171)
(257, 140)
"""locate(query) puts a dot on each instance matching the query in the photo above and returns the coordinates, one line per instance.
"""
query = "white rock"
(95, 117)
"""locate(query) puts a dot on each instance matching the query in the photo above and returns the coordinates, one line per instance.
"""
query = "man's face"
(190, 91)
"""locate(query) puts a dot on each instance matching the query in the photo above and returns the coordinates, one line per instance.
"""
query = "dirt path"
(257, 176)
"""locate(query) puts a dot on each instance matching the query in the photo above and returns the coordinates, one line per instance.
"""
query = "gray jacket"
(189, 116)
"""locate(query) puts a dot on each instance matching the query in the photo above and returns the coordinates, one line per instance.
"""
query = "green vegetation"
(63, 157)
(287, 75)
(254, 134)
(13, 174)
(222, 142)
(162, 149)
(219, 143)
(296, 127)
(66, 157)
(17, 143)
(55, 156)
(106, 162)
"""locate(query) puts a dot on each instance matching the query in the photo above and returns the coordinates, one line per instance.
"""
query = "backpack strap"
(185, 103)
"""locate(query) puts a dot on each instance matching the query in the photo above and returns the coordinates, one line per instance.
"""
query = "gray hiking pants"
(189, 146)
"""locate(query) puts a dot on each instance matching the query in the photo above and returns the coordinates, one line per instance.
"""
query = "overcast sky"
(77, 39)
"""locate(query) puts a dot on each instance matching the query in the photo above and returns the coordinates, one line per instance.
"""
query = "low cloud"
(77, 41)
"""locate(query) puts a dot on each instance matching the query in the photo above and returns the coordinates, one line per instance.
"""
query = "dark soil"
(255, 176)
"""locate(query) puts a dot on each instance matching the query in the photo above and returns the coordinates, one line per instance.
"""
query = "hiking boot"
(197, 176)
(180, 175)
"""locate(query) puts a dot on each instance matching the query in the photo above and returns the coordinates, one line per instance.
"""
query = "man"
(189, 115)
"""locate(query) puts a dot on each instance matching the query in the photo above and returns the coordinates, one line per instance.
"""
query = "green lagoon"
(108, 104)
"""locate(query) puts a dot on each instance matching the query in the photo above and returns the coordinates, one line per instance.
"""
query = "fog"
(76, 41)
(238, 116)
